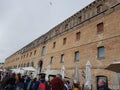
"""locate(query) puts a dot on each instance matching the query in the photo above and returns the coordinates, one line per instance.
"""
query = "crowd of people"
(12, 81)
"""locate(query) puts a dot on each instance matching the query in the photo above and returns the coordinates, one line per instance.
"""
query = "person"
(43, 85)
(57, 84)
(27, 80)
(20, 82)
(65, 83)
(76, 86)
(102, 85)
(11, 82)
(29, 86)
(68, 85)
(1, 76)
(33, 83)
(65, 86)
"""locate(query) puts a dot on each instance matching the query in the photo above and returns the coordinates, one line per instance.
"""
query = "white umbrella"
(76, 74)
(36, 72)
(88, 76)
(63, 72)
(47, 73)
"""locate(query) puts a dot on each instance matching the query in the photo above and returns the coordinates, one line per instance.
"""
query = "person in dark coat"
(102, 85)
(36, 84)
(10, 82)
(42, 80)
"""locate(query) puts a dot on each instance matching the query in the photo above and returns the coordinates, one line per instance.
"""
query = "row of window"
(100, 52)
(100, 28)
(65, 39)
(25, 65)
(29, 54)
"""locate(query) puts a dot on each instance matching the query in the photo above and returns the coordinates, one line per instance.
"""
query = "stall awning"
(115, 66)
(17, 70)
(29, 68)
(52, 72)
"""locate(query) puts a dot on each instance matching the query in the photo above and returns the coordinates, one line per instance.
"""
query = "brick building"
(91, 34)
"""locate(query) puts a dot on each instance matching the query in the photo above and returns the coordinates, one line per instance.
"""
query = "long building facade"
(92, 34)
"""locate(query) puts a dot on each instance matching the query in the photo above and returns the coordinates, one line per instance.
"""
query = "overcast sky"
(22, 21)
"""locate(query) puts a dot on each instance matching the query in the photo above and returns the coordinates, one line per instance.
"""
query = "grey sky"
(22, 21)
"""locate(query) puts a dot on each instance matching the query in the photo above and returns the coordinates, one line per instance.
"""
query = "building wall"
(87, 45)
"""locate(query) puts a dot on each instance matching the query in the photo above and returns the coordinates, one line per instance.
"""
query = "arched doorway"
(102, 77)
(40, 64)
(24, 65)
(28, 64)
(32, 64)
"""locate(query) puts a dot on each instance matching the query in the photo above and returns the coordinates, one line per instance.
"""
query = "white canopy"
(23, 69)
(18, 70)
(52, 72)
(29, 69)
(1, 70)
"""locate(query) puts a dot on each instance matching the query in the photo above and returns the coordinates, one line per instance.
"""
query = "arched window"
(35, 52)
(30, 54)
(19, 65)
(78, 35)
(43, 51)
(51, 60)
(32, 64)
(100, 27)
(14, 67)
(28, 64)
(101, 52)
(24, 65)
(40, 64)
